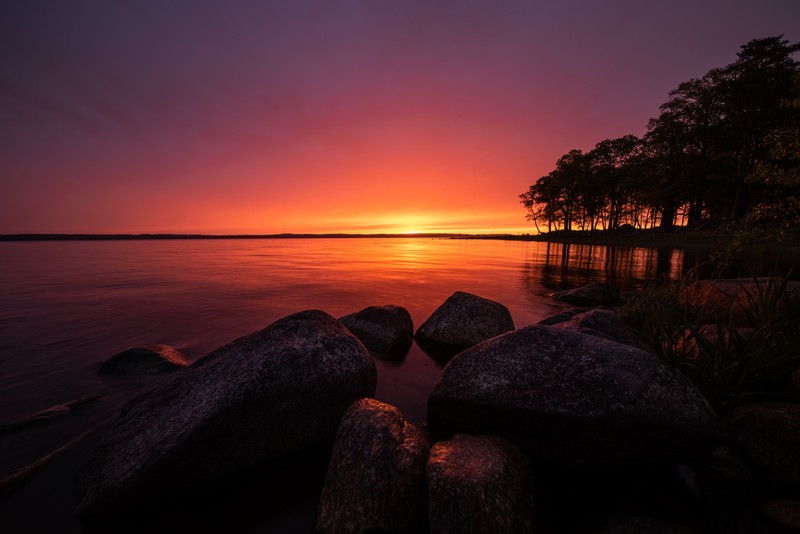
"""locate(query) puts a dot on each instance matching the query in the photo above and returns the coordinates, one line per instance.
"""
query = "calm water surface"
(67, 306)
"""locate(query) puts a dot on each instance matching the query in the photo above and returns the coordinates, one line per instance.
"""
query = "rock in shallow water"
(376, 478)
(462, 321)
(384, 330)
(479, 484)
(149, 359)
(254, 401)
(572, 398)
(590, 295)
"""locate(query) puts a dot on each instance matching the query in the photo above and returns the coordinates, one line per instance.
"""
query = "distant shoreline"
(133, 237)
(787, 243)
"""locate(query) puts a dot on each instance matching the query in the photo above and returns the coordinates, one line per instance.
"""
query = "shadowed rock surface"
(385, 330)
(376, 478)
(590, 295)
(783, 515)
(479, 484)
(572, 398)
(606, 324)
(562, 317)
(258, 399)
(629, 524)
(462, 321)
(768, 434)
(149, 359)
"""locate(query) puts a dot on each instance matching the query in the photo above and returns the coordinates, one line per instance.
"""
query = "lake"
(65, 306)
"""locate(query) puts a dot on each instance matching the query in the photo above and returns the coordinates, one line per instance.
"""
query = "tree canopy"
(724, 147)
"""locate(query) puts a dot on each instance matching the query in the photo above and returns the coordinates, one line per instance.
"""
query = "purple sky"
(379, 115)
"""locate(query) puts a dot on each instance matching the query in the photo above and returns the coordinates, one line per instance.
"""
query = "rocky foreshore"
(572, 425)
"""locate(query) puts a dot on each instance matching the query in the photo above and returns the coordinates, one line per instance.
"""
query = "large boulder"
(604, 323)
(479, 484)
(572, 398)
(376, 477)
(589, 295)
(462, 321)
(246, 406)
(384, 330)
(149, 359)
(768, 434)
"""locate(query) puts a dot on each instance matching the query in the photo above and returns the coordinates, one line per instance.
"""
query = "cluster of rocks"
(615, 440)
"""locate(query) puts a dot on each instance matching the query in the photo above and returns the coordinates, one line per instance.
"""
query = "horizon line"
(283, 235)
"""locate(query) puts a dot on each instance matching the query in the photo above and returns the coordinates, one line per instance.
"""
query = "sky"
(363, 116)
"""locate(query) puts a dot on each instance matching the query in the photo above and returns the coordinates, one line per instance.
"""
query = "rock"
(479, 484)
(376, 477)
(629, 524)
(247, 406)
(464, 320)
(590, 295)
(722, 477)
(783, 514)
(606, 324)
(149, 359)
(562, 317)
(572, 398)
(385, 330)
(731, 300)
(768, 434)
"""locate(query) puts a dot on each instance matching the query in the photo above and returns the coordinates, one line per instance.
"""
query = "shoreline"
(736, 241)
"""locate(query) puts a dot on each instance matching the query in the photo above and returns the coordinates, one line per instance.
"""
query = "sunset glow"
(364, 117)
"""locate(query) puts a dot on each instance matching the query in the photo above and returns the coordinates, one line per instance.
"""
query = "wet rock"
(464, 320)
(590, 295)
(479, 484)
(768, 435)
(572, 398)
(249, 405)
(629, 524)
(784, 515)
(376, 478)
(385, 330)
(149, 359)
(606, 324)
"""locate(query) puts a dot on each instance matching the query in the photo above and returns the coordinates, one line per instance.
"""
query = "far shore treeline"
(725, 148)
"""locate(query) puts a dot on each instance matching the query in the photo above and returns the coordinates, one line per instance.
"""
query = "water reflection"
(558, 266)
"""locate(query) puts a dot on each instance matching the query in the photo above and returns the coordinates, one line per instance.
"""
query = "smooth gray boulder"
(148, 359)
(479, 484)
(462, 321)
(384, 330)
(572, 398)
(376, 477)
(247, 405)
(589, 295)
(604, 323)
